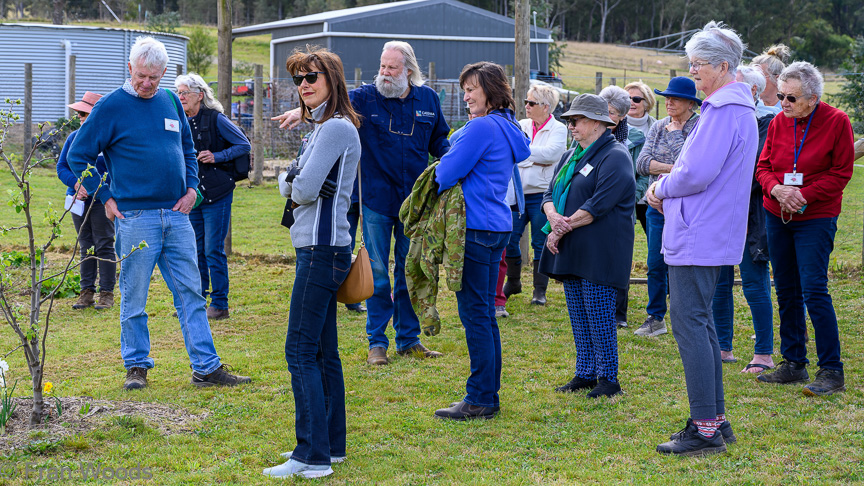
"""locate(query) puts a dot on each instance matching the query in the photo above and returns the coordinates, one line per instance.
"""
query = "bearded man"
(402, 124)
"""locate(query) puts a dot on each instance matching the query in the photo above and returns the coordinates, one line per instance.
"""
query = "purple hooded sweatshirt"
(706, 196)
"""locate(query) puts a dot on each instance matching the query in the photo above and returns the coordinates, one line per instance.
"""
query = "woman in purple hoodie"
(705, 201)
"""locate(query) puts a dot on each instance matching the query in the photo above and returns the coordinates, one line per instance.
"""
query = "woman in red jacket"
(806, 163)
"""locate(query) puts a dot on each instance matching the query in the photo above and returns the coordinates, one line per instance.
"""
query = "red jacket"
(825, 161)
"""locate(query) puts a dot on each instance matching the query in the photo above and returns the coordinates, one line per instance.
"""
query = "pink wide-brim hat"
(87, 102)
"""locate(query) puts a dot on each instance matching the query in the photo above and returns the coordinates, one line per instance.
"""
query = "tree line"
(820, 31)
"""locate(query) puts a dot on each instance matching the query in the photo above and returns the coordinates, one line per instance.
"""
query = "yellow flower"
(48, 387)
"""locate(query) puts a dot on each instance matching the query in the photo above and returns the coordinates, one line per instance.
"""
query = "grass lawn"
(540, 437)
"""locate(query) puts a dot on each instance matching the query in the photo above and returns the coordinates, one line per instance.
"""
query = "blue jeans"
(169, 238)
(535, 215)
(657, 270)
(757, 290)
(799, 254)
(311, 350)
(380, 230)
(210, 222)
(476, 303)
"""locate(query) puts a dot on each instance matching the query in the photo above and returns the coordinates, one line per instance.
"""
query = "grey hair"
(196, 83)
(716, 44)
(753, 77)
(409, 60)
(773, 61)
(148, 52)
(617, 98)
(545, 94)
(810, 78)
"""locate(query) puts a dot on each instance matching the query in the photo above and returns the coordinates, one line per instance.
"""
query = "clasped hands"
(789, 197)
(561, 225)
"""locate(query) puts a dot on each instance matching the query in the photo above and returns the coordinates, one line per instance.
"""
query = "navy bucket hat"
(680, 87)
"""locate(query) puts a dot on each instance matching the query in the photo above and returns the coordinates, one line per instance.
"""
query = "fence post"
(641, 66)
(672, 73)
(28, 105)
(71, 85)
(613, 82)
(624, 83)
(432, 71)
(598, 85)
(358, 75)
(258, 126)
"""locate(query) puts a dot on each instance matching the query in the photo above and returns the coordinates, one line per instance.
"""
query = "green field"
(540, 437)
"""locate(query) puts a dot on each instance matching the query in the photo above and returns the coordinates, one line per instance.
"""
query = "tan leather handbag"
(358, 285)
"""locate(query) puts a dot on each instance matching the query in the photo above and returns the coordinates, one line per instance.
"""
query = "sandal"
(763, 367)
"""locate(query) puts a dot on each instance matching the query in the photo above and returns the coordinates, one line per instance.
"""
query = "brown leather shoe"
(420, 351)
(85, 300)
(214, 314)
(377, 356)
(106, 300)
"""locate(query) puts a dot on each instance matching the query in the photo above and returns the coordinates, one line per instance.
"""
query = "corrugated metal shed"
(447, 32)
(101, 55)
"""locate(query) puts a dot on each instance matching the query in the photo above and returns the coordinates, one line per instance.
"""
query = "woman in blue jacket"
(482, 159)
(96, 230)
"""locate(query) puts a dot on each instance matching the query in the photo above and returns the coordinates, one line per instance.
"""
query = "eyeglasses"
(574, 120)
(311, 78)
(792, 99)
(532, 103)
(82, 114)
(696, 66)
(637, 99)
(390, 127)
(183, 94)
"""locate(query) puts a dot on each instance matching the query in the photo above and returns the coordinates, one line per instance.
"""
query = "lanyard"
(795, 148)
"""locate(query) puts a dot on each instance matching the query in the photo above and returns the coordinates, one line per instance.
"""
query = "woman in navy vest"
(218, 142)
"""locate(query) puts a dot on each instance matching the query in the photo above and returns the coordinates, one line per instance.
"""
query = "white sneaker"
(297, 468)
(652, 327)
(501, 311)
(333, 460)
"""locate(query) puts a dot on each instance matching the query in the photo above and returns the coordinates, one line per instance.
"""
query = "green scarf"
(562, 182)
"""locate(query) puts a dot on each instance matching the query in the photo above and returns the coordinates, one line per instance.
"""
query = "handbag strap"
(360, 209)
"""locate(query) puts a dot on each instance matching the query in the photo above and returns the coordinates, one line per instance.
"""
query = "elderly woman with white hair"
(218, 142)
(802, 178)
(619, 106)
(706, 221)
(548, 142)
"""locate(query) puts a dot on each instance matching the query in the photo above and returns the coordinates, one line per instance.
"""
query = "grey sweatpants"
(691, 291)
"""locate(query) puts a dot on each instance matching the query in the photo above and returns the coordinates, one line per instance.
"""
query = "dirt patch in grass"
(81, 415)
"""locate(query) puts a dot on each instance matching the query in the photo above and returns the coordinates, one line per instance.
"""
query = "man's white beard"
(396, 86)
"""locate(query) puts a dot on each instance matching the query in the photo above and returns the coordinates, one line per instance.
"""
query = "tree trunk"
(522, 58)
(38, 398)
(59, 6)
(224, 55)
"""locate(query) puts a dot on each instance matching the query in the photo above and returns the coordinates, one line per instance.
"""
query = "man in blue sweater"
(147, 144)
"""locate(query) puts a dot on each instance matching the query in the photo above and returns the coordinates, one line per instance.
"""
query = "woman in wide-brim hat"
(94, 229)
(590, 204)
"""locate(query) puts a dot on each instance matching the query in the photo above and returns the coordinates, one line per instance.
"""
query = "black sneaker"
(725, 430)
(827, 382)
(220, 377)
(576, 384)
(136, 378)
(605, 388)
(465, 411)
(689, 442)
(786, 372)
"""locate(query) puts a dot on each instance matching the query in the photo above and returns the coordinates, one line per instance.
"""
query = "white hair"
(617, 98)
(409, 60)
(753, 77)
(716, 44)
(197, 84)
(148, 52)
(810, 78)
(545, 94)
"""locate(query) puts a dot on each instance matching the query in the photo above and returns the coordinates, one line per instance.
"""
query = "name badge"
(793, 179)
(172, 125)
(586, 170)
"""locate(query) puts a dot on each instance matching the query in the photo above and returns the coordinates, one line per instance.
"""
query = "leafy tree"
(820, 45)
(165, 22)
(200, 50)
(851, 96)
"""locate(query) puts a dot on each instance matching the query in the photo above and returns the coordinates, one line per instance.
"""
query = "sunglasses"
(311, 78)
(82, 114)
(637, 99)
(574, 120)
(792, 99)
(532, 103)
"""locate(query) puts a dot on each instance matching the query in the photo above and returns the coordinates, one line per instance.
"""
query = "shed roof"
(88, 27)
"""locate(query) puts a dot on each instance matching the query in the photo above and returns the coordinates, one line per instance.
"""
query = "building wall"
(101, 63)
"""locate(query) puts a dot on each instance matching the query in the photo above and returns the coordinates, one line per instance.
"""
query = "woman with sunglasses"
(482, 159)
(319, 183)
(94, 228)
(803, 169)
(642, 101)
(218, 142)
(589, 204)
(548, 142)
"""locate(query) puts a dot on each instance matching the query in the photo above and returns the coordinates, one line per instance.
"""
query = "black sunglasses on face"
(532, 103)
(792, 99)
(311, 78)
(575, 120)
(637, 99)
